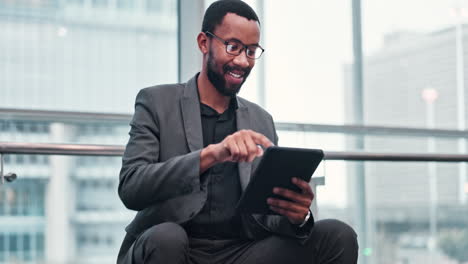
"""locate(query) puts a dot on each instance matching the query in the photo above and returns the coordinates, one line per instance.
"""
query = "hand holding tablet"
(277, 168)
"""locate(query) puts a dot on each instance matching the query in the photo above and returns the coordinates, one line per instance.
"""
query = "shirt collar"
(207, 110)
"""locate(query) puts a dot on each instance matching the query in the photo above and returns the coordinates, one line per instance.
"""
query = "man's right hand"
(242, 146)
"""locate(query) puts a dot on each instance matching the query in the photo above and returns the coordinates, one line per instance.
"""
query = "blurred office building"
(61, 209)
(81, 56)
(412, 82)
(63, 60)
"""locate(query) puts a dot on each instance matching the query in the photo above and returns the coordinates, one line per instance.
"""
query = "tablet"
(276, 169)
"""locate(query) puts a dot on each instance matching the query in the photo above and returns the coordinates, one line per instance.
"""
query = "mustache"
(227, 68)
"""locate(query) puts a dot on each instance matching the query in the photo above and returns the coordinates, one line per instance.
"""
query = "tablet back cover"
(276, 169)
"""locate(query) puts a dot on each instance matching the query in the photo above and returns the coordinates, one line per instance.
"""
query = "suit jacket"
(160, 175)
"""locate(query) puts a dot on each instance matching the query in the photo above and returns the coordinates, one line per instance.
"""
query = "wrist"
(306, 219)
(207, 158)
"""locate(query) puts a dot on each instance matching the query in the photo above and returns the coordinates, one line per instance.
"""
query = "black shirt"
(216, 220)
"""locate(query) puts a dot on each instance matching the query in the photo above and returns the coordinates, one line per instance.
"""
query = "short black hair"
(215, 13)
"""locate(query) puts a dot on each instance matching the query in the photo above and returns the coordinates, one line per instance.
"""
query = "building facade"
(401, 196)
(82, 56)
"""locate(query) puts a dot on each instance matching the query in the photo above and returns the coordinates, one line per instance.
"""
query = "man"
(191, 151)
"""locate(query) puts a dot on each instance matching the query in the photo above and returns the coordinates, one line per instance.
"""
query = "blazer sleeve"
(144, 180)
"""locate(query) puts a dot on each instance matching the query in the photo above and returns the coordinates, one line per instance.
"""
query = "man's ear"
(202, 41)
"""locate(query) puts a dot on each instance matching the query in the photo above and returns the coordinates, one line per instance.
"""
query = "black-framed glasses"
(235, 47)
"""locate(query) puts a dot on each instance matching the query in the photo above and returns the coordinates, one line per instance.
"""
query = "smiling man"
(190, 155)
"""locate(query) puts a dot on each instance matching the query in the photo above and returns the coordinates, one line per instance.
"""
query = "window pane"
(307, 44)
(2, 243)
(3, 250)
(414, 55)
(92, 58)
(40, 242)
(13, 242)
(413, 77)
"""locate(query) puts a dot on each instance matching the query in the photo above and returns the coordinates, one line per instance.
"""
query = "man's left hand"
(297, 208)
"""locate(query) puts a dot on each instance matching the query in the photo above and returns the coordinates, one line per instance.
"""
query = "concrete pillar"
(59, 235)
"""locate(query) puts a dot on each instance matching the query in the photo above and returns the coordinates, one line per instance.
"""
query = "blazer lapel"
(243, 122)
(190, 105)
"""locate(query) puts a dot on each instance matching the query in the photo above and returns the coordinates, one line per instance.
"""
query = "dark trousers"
(332, 241)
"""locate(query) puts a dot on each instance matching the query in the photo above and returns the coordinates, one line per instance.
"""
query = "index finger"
(303, 185)
(261, 139)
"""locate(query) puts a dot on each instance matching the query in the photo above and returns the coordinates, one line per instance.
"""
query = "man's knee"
(165, 236)
(338, 239)
(337, 229)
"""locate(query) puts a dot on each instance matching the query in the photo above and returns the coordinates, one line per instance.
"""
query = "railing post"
(9, 177)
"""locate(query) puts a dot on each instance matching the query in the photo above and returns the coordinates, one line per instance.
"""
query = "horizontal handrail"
(60, 149)
(90, 117)
(61, 116)
(372, 130)
(116, 150)
(390, 156)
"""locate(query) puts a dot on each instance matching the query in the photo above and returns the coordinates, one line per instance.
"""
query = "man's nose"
(242, 60)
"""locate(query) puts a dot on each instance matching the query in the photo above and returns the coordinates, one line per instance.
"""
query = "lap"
(331, 242)
(163, 243)
(277, 249)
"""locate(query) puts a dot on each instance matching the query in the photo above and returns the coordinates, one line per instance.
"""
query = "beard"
(218, 80)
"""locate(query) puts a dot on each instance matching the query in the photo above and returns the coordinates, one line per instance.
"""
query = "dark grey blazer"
(160, 168)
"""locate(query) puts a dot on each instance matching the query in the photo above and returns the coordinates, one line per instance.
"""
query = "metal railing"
(71, 117)
(90, 117)
(116, 150)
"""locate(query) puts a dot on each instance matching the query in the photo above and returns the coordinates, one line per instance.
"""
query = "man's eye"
(251, 51)
(233, 47)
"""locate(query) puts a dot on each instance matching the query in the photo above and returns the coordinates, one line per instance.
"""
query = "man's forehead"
(238, 27)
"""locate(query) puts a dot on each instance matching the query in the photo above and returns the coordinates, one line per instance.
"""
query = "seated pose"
(191, 152)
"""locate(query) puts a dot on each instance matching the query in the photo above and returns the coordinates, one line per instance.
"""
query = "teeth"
(235, 75)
